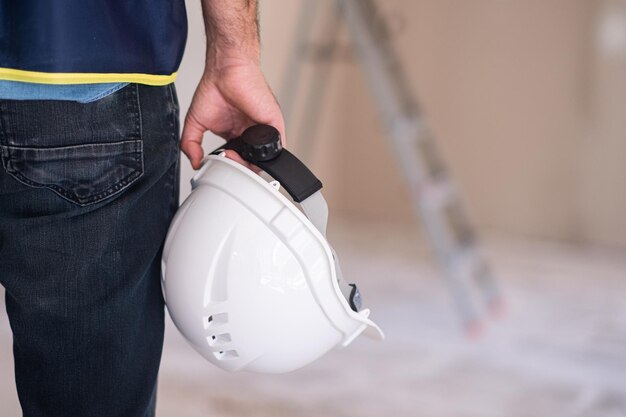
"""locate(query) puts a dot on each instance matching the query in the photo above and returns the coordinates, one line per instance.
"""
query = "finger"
(279, 122)
(230, 154)
(258, 103)
(191, 141)
(270, 114)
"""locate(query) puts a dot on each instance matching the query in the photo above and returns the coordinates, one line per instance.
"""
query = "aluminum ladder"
(435, 197)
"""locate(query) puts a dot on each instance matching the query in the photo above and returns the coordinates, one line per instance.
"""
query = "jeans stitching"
(3, 136)
(174, 128)
(117, 188)
(137, 113)
(3, 125)
(139, 157)
(173, 109)
(82, 145)
(72, 197)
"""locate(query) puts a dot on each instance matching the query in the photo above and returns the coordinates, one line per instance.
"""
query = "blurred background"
(527, 104)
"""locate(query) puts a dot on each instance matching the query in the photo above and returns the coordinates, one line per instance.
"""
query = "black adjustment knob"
(260, 143)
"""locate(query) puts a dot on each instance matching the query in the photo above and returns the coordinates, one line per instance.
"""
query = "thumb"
(191, 141)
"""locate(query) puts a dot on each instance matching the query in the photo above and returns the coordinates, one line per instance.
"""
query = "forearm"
(232, 32)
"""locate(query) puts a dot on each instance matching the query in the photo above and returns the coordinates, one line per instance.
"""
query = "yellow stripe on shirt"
(11, 74)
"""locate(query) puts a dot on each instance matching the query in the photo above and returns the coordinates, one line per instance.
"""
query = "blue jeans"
(87, 192)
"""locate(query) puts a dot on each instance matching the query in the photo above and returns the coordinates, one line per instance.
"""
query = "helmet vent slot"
(217, 319)
(220, 339)
(226, 354)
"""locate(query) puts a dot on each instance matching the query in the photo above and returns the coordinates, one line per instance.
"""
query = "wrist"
(219, 61)
(219, 57)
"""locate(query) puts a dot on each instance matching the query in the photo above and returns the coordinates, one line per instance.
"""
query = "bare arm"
(232, 30)
(232, 93)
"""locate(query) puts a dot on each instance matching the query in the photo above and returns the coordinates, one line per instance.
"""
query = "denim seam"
(173, 113)
(139, 125)
(82, 145)
(3, 138)
(3, 132)
(71, 197)
(137, 113)
(175, 132)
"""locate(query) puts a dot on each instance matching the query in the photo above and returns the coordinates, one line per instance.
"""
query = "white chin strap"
(316, 209)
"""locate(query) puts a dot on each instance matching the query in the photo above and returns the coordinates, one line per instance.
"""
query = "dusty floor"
(560, 351)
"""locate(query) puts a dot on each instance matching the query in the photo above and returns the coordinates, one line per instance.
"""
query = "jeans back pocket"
(83, 152)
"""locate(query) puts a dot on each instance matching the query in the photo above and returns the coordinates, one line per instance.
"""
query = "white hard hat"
(249, 280)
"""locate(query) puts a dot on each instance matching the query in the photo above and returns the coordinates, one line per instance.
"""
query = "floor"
(559, 350)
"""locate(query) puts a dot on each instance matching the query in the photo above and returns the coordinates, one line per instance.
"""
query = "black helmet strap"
(260, 145)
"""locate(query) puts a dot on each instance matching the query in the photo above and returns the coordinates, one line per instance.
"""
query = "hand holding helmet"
(249, 279)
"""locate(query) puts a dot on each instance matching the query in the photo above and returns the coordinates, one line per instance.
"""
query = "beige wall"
(525, 109)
